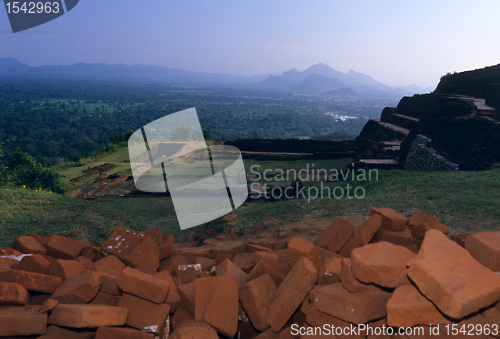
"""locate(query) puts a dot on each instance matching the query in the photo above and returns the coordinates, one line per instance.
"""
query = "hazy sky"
(397, 42)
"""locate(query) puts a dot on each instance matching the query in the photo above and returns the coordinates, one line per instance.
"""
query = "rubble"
(129, 288)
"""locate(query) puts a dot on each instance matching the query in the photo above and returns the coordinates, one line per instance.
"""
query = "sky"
(396, 42)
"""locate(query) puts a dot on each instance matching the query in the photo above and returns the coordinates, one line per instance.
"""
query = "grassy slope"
(465, 201)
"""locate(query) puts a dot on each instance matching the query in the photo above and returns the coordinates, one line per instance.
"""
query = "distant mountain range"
(317, 79)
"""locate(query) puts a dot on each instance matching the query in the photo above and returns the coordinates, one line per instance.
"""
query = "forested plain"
(57, 120)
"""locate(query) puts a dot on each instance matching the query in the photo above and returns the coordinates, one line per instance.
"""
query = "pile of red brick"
(389, 271)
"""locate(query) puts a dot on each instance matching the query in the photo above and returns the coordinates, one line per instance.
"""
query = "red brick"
(336, 235)
(32, 281)
(356, 241)
(356, 308)
(121, 333)
(350, 282)
(451, 278)
(369, 228)
(401, 238)
(78, 290)
(223, 255)
(86, 263)
(144, 315)
(34, 263)
(192, 329)
(228, 268)
(173, 298)
(298, 248)
(9, 263)
(268, 334)
(109, 282)
(292, 292)
(103, 298)
(432, 221)
(91, 252)
(244, 261)
(460, 239)
(143, 285)
(49, 305)
(204, 289)
(9, 252)
(180, 315)
(274, 268)
(171, 263)
(168, 238)
(121, 242)
(222, 310)
(88, 316)
(28, 245)
(187, 273)
(492, 316)
(109, 262)
(316, 318)
(187, 293)
(256, 297)
(391, 220)
(64, 248)
(407, 308)
(381, 263)
(54, 332)
(65, 269)
(166, 251)
(145, 255)
(329, 272)
(258, 255)
(485, 247)
(323, 253)
(155, 235)
(206, 263)
(307, 303)
(19, 320)
(13, 294)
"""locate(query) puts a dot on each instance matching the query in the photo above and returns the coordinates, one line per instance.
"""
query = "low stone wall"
(423, 158)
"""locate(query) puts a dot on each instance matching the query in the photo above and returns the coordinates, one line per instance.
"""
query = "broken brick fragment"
(298, 248)
(79, 289)
(485, 248)
(144, 315)
(370, 227)
(13, 294)
(391, 220)
(87, 316)
(381, 263)
(143, 285)
(28, 245)
(292, 291)
(336, 235)
(256, 297)
(451, 278)
(356, 308)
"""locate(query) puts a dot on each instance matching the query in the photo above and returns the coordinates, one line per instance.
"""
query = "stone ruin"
(390, 272)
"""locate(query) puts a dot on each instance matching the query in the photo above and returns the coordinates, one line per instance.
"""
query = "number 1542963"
(32, 7)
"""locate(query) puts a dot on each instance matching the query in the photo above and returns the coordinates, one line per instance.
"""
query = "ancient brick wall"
(423, 158)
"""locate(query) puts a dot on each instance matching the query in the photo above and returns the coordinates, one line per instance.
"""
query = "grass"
(465, 201)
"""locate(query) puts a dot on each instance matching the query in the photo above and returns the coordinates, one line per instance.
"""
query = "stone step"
(391, 143)
(401, 120)
(377, 163)
(400, 130)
